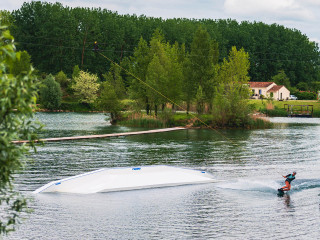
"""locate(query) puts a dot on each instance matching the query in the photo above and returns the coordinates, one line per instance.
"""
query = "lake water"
(243, 205)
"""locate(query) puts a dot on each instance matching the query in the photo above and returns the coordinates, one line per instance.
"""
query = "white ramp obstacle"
(128, 178)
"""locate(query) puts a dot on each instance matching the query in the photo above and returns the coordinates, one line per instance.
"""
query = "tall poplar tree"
(139, 65)
(203, 57)
(114, 77)
(230, 103)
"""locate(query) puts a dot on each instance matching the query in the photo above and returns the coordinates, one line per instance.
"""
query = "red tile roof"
(275, 88)
(260, 84)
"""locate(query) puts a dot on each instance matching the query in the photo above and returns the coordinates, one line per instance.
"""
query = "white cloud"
(277, 9)
(312, 2)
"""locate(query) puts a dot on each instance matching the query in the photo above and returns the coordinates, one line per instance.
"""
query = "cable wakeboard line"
(97, 50)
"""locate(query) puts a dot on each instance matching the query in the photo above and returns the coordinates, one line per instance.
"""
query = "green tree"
(17, 99)
(303, 86)
(139, 67)
(189, 86)
(156, 79)
(62, 79)
(86, 87)
(230, 104)
(109, 101)
(114, 77)
(315, 86)
(6, 18)
(50, 93)
(76, 72)
(157, 76)
(281, 79)
(164, 71)
(174, 82)
(203, 58)
(200, 100)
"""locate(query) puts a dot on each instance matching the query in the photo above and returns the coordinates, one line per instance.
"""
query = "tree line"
(160, 74)
(58, 38)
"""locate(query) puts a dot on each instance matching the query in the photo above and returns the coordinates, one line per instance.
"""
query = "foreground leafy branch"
(17, 99)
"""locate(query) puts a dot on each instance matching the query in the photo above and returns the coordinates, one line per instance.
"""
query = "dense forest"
(58, 38)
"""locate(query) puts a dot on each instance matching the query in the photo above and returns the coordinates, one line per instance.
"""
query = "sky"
(303, 15)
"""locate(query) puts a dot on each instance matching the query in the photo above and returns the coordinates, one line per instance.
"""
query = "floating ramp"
(122, 179)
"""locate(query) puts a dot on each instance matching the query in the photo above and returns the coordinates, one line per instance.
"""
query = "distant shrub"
(50, 93)
(305, 95)
(76, 107)
(62, 79)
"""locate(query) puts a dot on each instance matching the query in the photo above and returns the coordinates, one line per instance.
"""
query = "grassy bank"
(165, 119)
(276, 108)
(169, 119)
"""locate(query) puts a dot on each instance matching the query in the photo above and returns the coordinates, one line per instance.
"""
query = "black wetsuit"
(290, 178)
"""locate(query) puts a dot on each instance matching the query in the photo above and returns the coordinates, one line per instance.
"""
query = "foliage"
(52, 34)
(156, 79)
(200, 100)
(76, 107)
(315, 86)
(86, 87)
(76, 72)
(230, 103)
(305, 95)
(50, 93)
(303, 86)
(6, 19)
(17, 98)
(139, 65)
(21, 65)
(108, 100)
(62, 79)
(159, 70)
(276, 112)
(143, 122)
(281, 79)
(114, 77)
(203, 58)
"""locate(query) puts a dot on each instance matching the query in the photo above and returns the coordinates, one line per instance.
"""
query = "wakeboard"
(280, 192)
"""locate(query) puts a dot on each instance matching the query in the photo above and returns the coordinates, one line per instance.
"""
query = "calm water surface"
(243, 205)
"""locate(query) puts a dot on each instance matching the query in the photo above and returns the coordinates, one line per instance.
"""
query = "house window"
(260, 91)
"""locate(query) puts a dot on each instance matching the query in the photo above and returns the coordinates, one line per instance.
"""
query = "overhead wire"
(202, 49)
(193, 55)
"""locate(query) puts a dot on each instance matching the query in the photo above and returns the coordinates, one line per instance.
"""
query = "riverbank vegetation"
(104, 61)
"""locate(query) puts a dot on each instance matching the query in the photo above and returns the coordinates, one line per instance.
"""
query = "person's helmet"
(294, 172)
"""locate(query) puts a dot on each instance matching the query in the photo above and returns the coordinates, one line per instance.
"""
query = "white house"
(269, 89)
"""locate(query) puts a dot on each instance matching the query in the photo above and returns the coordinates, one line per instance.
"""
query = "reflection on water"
(287, 201)
(243, 205)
